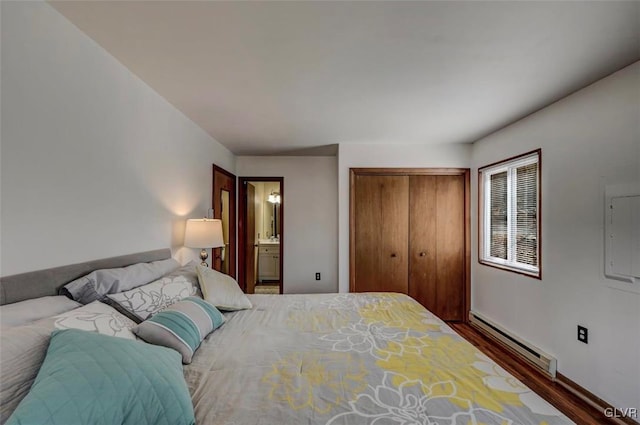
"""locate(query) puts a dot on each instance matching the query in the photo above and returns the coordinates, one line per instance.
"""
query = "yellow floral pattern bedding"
(341, 359)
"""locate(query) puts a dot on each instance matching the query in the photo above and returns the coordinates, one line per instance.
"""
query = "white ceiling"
(272, 77)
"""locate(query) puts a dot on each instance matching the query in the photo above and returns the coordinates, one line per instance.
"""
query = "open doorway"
(261, 235)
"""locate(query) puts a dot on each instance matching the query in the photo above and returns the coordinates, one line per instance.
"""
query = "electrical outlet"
(583, 334)
(317, 276)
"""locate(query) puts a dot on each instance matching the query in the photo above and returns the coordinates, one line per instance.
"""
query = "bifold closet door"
(381, 214)
(422, 241)
(450, 239)
(436, 276)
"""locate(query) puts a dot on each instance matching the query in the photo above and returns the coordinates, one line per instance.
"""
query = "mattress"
(375, 358)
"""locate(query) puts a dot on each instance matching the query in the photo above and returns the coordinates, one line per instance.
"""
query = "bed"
(373, 358)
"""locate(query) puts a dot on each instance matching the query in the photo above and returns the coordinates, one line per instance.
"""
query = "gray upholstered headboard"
(41, 283)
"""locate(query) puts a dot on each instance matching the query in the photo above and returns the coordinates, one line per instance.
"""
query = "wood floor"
(575, 408)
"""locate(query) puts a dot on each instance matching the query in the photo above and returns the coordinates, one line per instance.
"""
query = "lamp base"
(203, 256)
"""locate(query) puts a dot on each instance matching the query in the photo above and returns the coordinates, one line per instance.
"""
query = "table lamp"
(203, 233)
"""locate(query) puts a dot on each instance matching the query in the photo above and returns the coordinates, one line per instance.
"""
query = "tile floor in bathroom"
(267, 289)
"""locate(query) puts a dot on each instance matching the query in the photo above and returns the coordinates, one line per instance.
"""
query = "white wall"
(588, 140)
(387, 156)
(310, 217)
(94, 162)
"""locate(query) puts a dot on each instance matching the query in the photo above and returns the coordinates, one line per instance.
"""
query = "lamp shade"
(203, 233)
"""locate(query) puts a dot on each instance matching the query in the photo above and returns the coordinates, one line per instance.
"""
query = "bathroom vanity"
(268, 260)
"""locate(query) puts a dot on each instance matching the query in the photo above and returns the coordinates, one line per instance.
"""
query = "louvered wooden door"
(410, 235)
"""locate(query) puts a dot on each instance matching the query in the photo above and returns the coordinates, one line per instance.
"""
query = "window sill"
(536, 275)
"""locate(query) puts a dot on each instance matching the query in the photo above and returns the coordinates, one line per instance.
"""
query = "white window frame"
(484, 228)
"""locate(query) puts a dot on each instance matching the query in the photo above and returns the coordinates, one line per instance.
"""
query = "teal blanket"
(89, 378)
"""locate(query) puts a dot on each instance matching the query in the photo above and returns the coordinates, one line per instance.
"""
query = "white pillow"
(221, 290)
(93, 317)
(27, 311)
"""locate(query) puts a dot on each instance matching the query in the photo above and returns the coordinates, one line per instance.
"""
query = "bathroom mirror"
(223, 202)
(224, 216)
(269, 207)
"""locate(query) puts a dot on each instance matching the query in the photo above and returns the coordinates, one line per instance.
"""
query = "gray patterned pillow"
(93, 317)
(144, 301)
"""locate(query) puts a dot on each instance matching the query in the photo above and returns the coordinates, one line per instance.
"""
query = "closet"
(410, 234)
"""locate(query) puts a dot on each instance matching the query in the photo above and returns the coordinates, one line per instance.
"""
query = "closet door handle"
(422, 254)
(393, 255)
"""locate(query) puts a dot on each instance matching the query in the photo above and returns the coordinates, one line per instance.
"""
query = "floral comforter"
(351, 359)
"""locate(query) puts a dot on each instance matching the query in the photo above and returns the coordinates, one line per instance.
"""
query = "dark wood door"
(450, 247)
(422, 241)
(224, 208)
(250, 242)
(381, 233)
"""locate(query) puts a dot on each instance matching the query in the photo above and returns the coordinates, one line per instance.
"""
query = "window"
(509, 230)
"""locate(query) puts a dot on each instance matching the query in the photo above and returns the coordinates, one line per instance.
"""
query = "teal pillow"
(90, 378)
(182, 326)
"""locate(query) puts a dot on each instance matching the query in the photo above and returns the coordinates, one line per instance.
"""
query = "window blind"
(526, 219)
(498, 215)
(510, 218)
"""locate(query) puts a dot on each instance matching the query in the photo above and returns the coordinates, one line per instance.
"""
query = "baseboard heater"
(528, 351)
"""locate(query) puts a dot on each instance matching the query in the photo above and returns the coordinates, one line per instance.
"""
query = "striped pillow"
(182, 326)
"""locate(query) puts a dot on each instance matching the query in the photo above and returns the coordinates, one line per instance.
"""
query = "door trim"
(466, 172)
(217, 213)
(242, 219)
